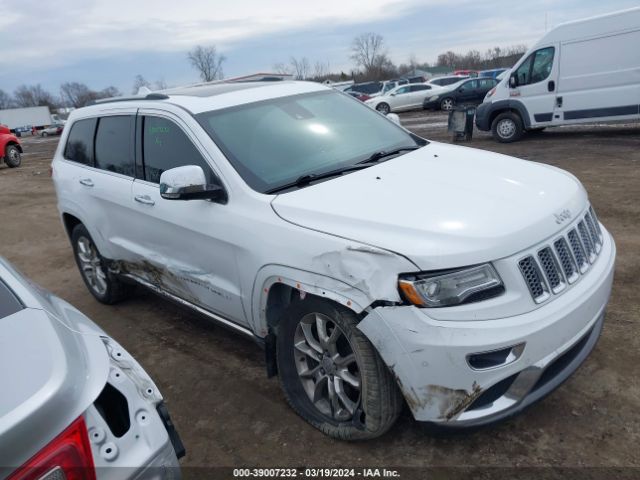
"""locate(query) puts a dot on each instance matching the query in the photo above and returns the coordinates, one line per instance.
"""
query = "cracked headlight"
(445, 289)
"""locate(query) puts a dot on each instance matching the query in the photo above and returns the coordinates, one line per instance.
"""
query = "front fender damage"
(429, 392)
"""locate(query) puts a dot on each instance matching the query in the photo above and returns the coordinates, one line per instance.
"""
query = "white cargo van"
(582, 71)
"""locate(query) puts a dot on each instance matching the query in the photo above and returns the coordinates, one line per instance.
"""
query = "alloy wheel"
(447, 104)
(91, 265)
(327, 367)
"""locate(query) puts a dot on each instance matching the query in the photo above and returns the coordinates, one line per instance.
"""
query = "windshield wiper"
(304, 180)
(377, 156)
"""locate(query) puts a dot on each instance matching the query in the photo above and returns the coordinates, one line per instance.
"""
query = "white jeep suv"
(370, 263)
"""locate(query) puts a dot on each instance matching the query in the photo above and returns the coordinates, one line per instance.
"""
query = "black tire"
(447, 104)
(12, 156)
(507, 127)
(379, 401)
(115, 290)
(383, 108)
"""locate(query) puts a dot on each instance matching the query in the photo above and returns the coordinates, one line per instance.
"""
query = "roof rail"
(149, 96)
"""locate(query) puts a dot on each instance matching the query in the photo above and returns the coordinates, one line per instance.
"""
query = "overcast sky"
(104, 43)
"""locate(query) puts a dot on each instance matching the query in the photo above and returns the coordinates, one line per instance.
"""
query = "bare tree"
(74, 94)
(301, 68)
(281, 68)
(160, 84)
(367, 51)
(321, 71)
(33, 96)
(5, 100)
(207, 61)
(138, 82)
(108, 92)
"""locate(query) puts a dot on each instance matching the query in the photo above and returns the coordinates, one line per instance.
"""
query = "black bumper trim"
(176, 441)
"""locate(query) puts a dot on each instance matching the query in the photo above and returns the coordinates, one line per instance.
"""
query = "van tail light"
(68, 456)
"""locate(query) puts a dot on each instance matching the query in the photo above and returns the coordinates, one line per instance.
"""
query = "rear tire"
(383, 108)
(305, 356)
(103, 285)
(507, 127)
(12, 156)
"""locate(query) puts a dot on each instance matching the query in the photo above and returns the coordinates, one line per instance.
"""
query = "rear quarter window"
(79, 147)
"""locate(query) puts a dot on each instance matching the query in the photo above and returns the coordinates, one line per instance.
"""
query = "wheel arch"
(15, 144)
(512, 106)
(70, 222)
(276, 286)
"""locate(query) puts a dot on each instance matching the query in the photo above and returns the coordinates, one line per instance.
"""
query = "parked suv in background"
(74, 403)
(372, 264)
(467, 92)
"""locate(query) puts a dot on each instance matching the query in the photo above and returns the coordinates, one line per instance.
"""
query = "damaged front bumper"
(471, 373)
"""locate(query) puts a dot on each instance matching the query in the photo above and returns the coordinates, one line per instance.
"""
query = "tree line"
(368, 52)
(371, 61)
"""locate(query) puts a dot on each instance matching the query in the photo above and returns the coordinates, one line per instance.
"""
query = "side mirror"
(392, 94)
(189, 183)
(394, 118)
(513, 80)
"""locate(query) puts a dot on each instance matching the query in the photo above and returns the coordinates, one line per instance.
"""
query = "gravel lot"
(229, 414)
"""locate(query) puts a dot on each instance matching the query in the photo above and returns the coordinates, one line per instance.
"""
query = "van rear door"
(536, 85)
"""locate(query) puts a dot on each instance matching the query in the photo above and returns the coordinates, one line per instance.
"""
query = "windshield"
(274, 142)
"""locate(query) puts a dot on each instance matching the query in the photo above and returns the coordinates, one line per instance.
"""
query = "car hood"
(441, 206)
(55, 365)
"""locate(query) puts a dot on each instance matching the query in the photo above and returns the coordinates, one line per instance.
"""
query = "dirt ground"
(229, 414)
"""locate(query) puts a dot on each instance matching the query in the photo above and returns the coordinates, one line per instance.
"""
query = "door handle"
(551, 86)
(559, 102)
(144, 199)
(87, 182)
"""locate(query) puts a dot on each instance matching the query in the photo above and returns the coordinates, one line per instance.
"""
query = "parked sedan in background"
(370, 88)
(402, 98)
(73, 400)
(446, 80)
(55, 129)
(469, 91)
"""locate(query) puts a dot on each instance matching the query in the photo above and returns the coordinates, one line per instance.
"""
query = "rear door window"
(114, 144)
(166, 146)
(79, 147)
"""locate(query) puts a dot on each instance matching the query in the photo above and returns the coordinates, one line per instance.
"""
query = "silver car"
(73, 402)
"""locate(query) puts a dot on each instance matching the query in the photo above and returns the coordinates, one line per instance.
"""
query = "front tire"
(507, 127)
(330, 373)
(103, 285)
(446, 104)
(12, 156)
(384, 108)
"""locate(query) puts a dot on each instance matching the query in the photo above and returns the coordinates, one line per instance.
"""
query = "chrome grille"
(562, 262)
(551, 269)
(533, 277)
(566, 260)
(578, 251)
(586, 242)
